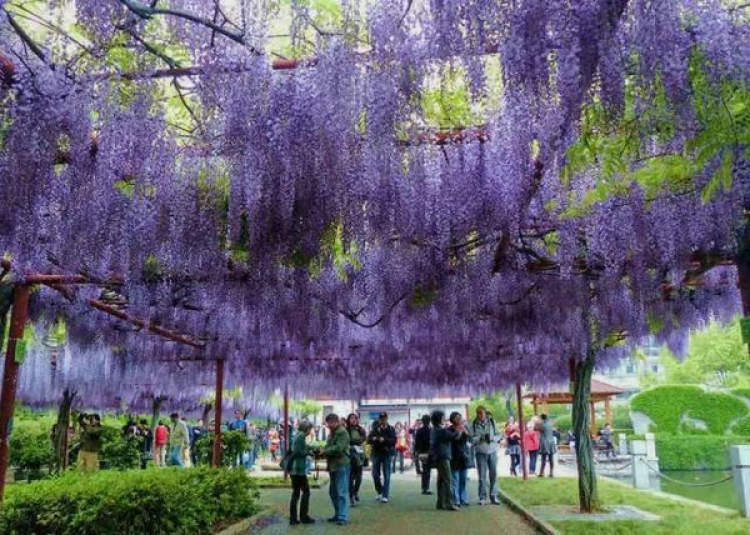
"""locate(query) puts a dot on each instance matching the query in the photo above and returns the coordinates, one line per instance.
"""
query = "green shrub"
(118, 451)
(742, 392)
(563, 423)
(620, 420)
(742, 427)
(621, 417)
(233, 444)
(666, 405)
(31, 448)
(154, 502)
(707, 452)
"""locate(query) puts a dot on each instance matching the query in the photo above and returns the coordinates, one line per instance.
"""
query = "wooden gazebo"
(558, 395)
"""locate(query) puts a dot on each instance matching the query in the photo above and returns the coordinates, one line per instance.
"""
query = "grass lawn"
(682, 518)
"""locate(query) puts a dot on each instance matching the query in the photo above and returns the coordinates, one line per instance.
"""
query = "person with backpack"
(357, 437)
(461, 460)
(382, 438)
(422, 452)
(485, 438)
(297, 467)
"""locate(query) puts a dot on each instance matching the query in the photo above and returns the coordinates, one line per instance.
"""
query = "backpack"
(286, 461)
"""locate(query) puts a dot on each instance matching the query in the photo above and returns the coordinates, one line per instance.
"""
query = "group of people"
(449, 447)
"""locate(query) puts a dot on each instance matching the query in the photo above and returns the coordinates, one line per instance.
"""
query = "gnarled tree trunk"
(61, 436)
(588, 493)
(207, 408)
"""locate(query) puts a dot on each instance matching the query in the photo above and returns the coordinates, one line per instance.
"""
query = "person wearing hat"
(382, 438)
(298, 473)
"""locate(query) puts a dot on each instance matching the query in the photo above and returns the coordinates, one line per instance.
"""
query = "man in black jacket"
(382, 437)
(422, 452)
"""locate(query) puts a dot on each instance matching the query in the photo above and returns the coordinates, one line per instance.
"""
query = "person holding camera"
(91, 439)
(485, 439)
(336, 453)
(460, 460)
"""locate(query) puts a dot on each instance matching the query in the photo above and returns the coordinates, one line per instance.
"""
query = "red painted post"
(10, 375)
(522, 430)
(286, 425)
(218, 400)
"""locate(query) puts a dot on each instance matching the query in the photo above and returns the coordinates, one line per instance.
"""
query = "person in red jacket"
(531, 445)
(161, 437)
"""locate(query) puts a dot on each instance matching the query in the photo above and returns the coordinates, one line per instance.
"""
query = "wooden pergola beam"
(145, 324)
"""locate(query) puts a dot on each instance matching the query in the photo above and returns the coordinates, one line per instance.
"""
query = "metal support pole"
(286, 425)
(10, 375)
(522, 430)
(219, 399)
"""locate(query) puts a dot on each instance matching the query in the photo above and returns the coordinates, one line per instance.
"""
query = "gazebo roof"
(599, 389)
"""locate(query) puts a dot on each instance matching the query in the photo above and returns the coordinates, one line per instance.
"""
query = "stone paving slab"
(561, 513)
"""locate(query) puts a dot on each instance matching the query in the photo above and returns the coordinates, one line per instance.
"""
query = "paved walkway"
(408, 513)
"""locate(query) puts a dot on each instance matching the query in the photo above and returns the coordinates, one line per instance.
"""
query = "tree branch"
(38, 52)
(406, 12)
(146, 11)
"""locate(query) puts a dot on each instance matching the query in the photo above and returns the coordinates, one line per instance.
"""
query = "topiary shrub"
(666, 405)
(155, 502)
(742, 427)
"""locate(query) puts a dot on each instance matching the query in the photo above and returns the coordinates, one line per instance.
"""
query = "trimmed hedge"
(155, 502)
(742, 427)
(699, 452)
(666, 405)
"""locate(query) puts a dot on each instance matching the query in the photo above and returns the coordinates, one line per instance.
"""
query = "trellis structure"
(558, 59)
(19, 316)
